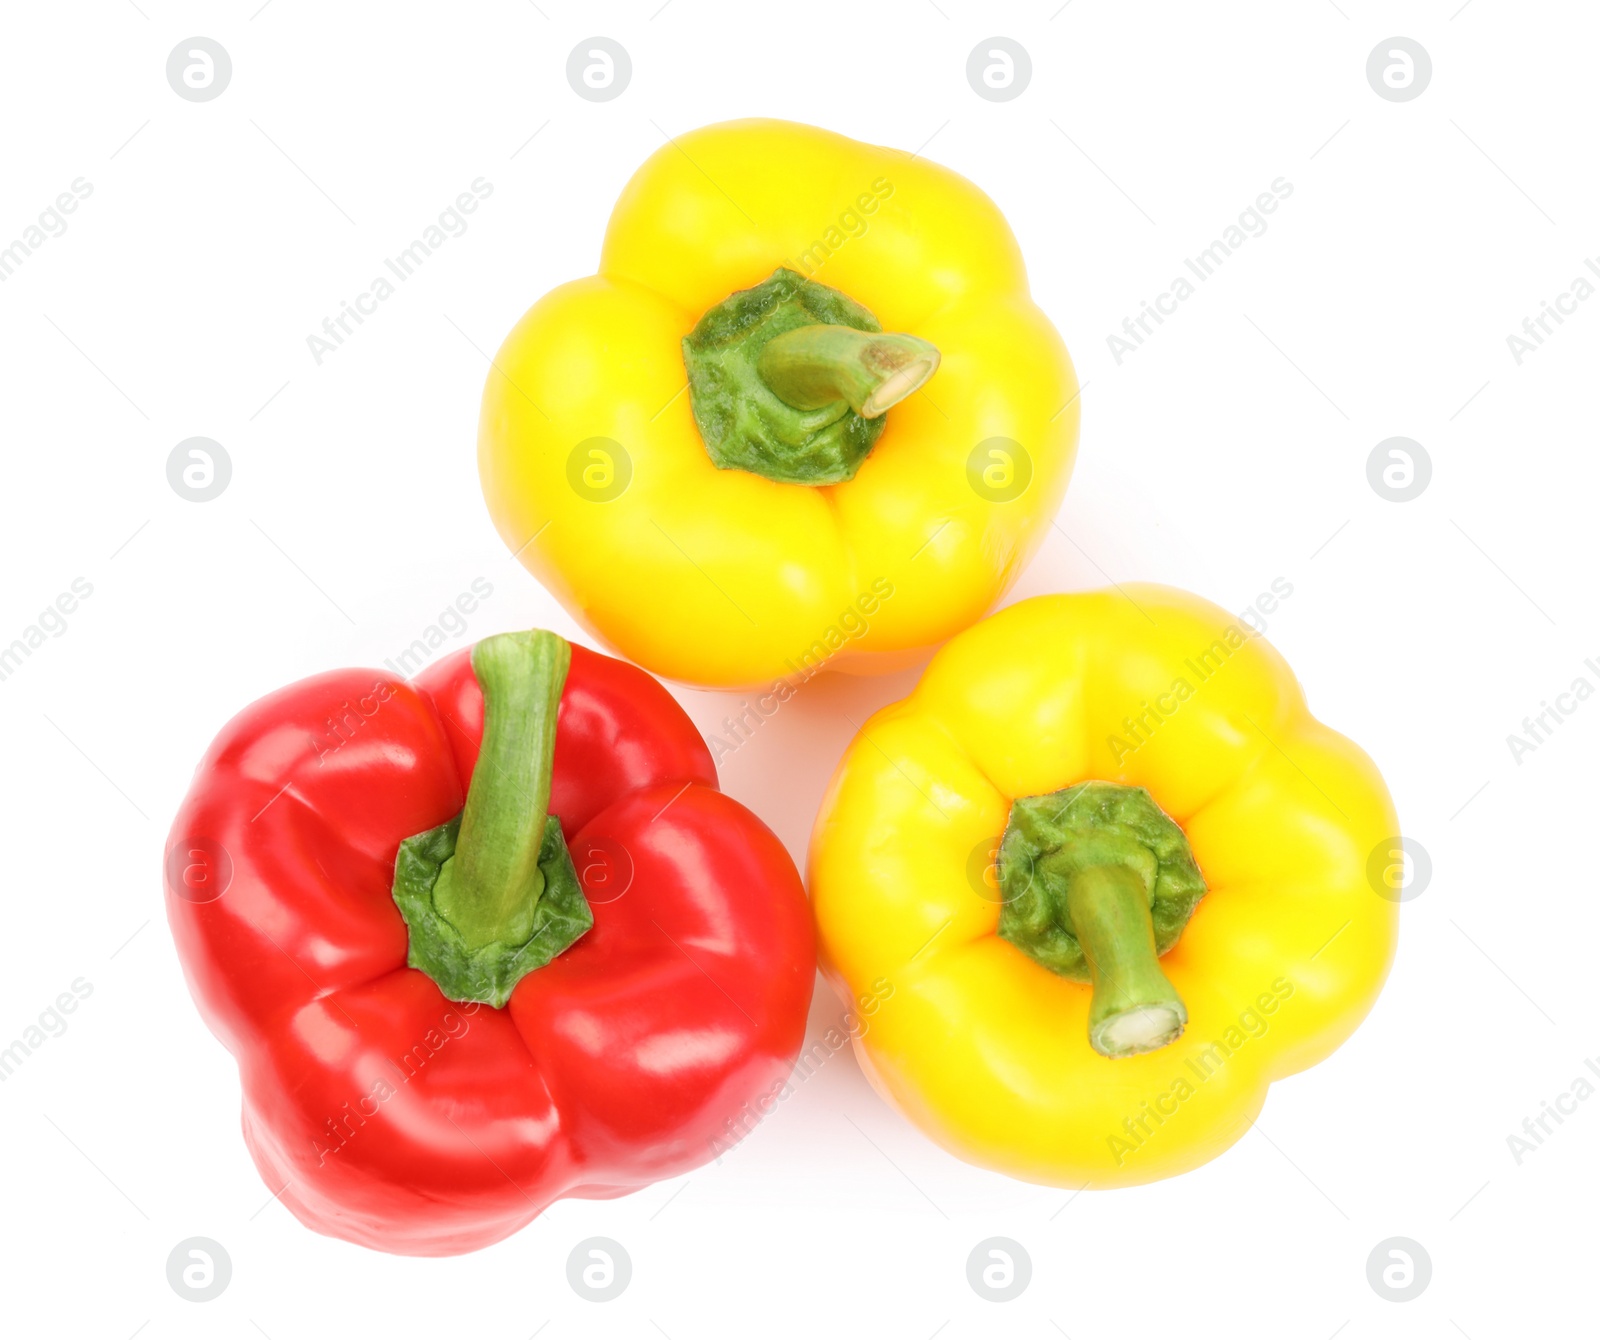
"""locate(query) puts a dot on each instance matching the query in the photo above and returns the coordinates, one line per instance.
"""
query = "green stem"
(1134, 1007)
(813, 367)
(1097, 883)
(491, 894)
(790, 380)
(489, 889)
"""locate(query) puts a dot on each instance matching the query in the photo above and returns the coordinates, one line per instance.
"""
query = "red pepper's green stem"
(812, 367)
(1134, 1007)
(490, 889)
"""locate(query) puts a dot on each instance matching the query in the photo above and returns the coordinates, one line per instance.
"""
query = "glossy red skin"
(621, 1062)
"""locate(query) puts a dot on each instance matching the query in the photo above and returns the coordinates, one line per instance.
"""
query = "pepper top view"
(806, 822)
(1110, 879)
(363, 864)
(1102, 877)
(806, 404)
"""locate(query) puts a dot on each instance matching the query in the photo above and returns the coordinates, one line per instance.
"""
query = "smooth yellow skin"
(722, 577)
(986, 1050)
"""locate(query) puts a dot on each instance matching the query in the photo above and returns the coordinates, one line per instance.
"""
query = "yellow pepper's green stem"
(1134, 1007)
(812, 367)
(1097, 883)
(790, 380)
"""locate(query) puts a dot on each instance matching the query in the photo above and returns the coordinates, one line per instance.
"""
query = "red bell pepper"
(394, 1112)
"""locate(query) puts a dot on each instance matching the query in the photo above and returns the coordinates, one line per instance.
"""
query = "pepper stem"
(813, 367)
(1134, 1007)
(490, 889)
(791, 380)
(1097, 883)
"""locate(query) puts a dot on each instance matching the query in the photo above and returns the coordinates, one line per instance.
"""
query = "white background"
(1228, 451)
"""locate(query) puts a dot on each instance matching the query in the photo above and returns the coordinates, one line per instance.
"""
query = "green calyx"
(1097, 884)
(491, 894)
(489, 972)
(791, 379)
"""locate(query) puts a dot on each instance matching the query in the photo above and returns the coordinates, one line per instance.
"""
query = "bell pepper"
(449, 1006)
(1110, 878)
(807, 404)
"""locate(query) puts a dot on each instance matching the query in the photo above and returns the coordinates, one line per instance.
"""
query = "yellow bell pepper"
(1097, 883)
(717, 460)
